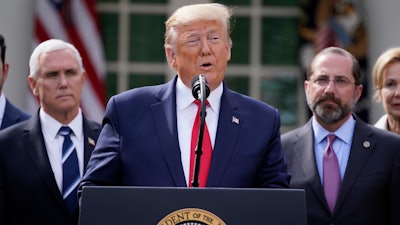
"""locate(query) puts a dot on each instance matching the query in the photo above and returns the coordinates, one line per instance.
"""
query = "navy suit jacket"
(12, 115)
(28, 190)
(138, 145)
(369, 193)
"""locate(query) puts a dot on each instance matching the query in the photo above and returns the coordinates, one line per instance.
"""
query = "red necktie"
(331, 173)
(207, 150)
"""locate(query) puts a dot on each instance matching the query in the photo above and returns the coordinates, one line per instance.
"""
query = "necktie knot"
(64, 131)
(331, 138)
(198, 102)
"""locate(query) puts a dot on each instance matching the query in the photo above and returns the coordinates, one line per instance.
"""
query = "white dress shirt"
(54, 141)
(341, 145)
(2, 107)
(186, 111)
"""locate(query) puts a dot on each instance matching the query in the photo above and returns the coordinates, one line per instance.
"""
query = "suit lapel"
(305, 155)
(34, 142)
(164, 114)
(227, 133)
(91, 132)
(362, 147)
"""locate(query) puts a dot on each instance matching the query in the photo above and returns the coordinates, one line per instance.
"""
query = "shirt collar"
(50, 126)
(184, 96)
(2, 106)
(345, 132)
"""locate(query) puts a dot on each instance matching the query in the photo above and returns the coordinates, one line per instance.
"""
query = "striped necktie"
(70, 167)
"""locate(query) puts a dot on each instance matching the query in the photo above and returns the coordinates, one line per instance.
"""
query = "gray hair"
(49, 46)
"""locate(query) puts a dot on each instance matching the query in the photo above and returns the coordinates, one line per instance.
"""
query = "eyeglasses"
(340, 82)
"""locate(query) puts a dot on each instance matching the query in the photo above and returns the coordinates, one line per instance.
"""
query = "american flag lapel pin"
(235, 120)
(91, 141)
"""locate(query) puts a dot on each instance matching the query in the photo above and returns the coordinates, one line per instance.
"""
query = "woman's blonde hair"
(389, 56)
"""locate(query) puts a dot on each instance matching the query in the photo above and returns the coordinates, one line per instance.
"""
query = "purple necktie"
(331, 173)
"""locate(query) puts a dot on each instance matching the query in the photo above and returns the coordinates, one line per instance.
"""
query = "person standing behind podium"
(32, 184)
(361, 185)
(9, 114)
(146, 134)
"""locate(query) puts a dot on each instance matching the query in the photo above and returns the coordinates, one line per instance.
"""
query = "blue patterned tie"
(70, 166)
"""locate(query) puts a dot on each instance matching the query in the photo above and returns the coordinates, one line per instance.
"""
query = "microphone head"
(196, 86)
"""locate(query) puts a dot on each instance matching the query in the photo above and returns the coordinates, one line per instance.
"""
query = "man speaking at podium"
(146, 138)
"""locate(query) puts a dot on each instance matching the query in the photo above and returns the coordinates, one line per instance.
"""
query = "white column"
(16, 22)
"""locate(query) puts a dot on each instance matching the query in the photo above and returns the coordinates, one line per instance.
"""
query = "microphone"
(200, 91)
(200, 87)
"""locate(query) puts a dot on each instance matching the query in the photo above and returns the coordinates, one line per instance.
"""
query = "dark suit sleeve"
(274, 173)
(395, 192)
(13, 115)
(104, 165)
(2, 197)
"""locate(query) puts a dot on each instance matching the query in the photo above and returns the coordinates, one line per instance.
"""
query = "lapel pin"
(235, 120)
(91, 141)
(366, 144)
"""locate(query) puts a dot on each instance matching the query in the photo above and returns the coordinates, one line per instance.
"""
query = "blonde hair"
(192, 13)
(389, 56)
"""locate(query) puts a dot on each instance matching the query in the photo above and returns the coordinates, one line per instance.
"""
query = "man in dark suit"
(363, 186)
(9, 114)
(146, 135)
(32, 167)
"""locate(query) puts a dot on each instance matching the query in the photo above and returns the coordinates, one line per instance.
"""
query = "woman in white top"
(386, 80)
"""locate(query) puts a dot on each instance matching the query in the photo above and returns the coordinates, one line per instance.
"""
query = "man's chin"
(66, 106)
(327, 114)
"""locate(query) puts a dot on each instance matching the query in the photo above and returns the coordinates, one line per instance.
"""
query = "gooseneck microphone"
(199, 87)
(200, 91)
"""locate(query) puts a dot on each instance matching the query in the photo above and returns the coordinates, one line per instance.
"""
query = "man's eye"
(51, 75)
(322, 80)
(341, 81)
(192, 40)
(71, 72)
(214, 39)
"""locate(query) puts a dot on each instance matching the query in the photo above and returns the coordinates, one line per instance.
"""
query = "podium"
(191, 206)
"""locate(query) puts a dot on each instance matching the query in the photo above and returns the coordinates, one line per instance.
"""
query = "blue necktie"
(70, 168)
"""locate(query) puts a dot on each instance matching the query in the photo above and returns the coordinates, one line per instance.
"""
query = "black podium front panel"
(191, 206)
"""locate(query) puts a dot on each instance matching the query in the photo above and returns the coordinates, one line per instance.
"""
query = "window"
(264, 61)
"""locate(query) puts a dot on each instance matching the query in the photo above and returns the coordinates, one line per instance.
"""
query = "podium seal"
(191, 216)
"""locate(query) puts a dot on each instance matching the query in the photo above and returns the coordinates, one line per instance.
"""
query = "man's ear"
(5, 70)
(32, 85)
(170, 57)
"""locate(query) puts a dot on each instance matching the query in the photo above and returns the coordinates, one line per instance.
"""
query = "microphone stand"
(199, 147)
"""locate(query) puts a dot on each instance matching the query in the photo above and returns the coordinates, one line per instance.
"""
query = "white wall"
(16, 18)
